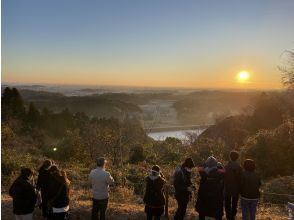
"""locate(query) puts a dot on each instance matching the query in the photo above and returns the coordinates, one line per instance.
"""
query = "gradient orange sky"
(195, 44)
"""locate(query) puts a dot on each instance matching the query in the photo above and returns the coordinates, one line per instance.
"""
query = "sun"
(243, 76)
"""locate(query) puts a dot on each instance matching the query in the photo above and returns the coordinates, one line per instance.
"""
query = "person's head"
(47, 164)
(188, 164)
(249, 165)
(155, 170)
(26, 173)
(234, 155)
(101, 162)
(54, 170)
(211, 162)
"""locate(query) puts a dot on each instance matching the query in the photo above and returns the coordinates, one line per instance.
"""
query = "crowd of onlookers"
(220, 186)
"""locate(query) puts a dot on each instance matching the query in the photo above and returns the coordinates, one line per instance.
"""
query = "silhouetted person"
(100, 181)
(250, 184)
(59, 194)
(42, 185)
(154, 195)
(24, 195)
(210, 193)
(183, 187)
(232, 185)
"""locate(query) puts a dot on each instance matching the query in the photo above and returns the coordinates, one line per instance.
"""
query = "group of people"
(50, 193)
(219, 186)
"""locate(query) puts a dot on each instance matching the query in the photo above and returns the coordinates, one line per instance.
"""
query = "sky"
(160, 43)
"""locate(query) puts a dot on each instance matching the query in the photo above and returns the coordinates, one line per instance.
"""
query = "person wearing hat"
(183, 187)
(210, 193)
(154, 194)
(100, 181)
(24, 195)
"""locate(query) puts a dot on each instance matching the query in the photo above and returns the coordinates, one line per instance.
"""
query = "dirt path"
(81, 211)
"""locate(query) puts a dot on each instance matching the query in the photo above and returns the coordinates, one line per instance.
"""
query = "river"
(180, 134)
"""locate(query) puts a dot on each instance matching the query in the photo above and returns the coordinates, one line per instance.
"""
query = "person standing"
(232, 185)
(154, 195)
(183, 187)
(100, 181)
(43, 187)
(210, 193)
(24, 195)
(250, 184)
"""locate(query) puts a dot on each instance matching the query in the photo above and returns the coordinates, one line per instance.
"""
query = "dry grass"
(124, 205)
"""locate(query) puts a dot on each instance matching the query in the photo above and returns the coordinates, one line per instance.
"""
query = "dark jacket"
(182, 180)
(24, 196)
(210, 193)
(232, 178)
(154, 194)
(250, 184)
(59, 192)
(43, 180)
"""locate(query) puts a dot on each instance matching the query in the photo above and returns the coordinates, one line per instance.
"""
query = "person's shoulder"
(93, 171)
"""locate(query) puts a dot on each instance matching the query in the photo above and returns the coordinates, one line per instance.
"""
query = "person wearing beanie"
(24, 195)
(100, 181)
(44, 178)
(154, 194)
(250, 184)
(232, 185)
(183, 187)
(210, 193)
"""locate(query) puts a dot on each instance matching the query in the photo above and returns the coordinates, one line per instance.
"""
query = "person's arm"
(32, 193)
(109, 179)
(12, 190)
(90, 178)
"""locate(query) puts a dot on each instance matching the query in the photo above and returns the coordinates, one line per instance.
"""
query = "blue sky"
(145, 43)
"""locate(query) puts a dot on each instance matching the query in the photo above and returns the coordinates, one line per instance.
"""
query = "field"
(125, 206)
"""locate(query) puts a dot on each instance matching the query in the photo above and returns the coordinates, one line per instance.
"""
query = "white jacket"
(100, 181)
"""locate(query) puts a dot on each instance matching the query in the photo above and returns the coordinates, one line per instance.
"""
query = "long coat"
(154, 195)
(210, 193)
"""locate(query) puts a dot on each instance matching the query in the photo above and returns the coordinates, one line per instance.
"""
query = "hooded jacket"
(210, 192)
(24, 196)
(154, 194)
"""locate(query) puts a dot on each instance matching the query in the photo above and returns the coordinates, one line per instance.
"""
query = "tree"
(33, 115)
(287, 68)
(12, 104)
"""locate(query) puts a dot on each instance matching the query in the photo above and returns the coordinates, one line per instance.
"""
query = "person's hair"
(249, 165)
(26, 172)
(54, 169)
(189, 163)
(66, 180)
(156, 168)
(234, 155)
(101, 161)
(46, 164)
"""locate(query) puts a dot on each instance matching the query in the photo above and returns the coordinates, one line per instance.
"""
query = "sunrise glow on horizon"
(191, 44)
